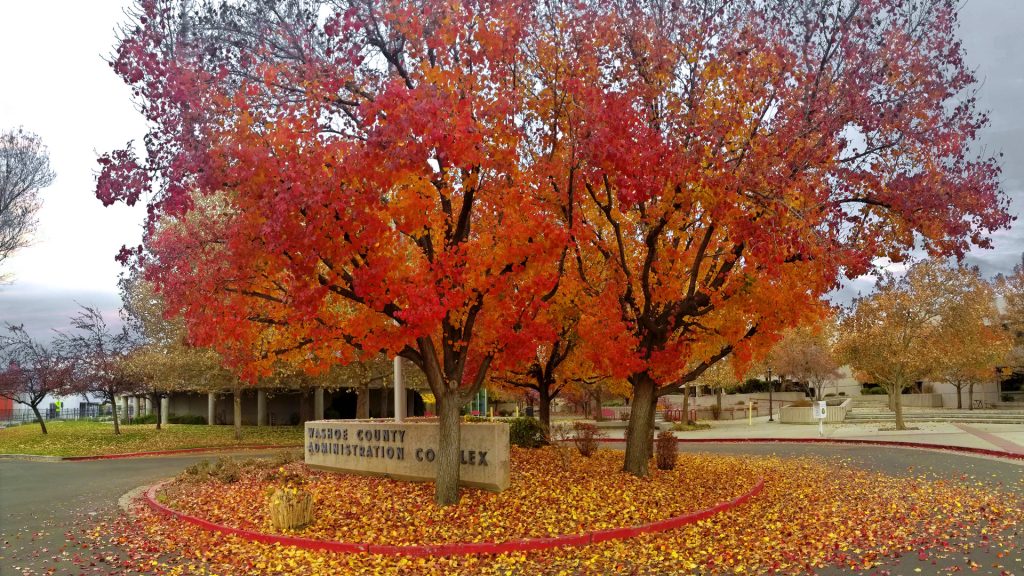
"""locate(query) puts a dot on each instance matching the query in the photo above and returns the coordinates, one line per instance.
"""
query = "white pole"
(399, 391)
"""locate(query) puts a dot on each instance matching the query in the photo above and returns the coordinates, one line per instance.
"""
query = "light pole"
(771, 417)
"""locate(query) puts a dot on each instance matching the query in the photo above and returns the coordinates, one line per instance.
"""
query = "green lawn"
(71, 438)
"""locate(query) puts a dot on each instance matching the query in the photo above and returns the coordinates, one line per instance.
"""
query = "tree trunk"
(959, 396)
(897, 400)
(448, 450)
(39, 418)
(686, 404)
(718, 401)
(363, 401)
(545, 408)
(599, 413)
(113, 404)
(155, 399)
(641, 419)
(970, 396)
(238, 413)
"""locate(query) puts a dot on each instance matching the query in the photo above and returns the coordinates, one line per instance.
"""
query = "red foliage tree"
(30, 370)
(331, 190)
(730, 161)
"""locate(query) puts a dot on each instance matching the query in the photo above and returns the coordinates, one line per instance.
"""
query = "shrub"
(224, 470)
(802, 404)
(665, 452)
(186, 419)
(716, 411)
(624, 415)
(147, 419)
(559, 439)
(585, 437)
(687, 426)
(874, 391)
(842, 393)
(526, 432)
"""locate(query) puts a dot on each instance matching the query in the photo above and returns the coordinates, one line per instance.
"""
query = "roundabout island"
(794, 509)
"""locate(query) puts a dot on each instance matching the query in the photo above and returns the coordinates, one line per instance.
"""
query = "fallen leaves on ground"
(545, 498)
(814, 512)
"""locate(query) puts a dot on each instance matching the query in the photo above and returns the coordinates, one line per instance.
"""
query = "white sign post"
(820, 412)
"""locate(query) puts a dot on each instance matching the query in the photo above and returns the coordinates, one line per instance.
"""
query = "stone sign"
(408, 450)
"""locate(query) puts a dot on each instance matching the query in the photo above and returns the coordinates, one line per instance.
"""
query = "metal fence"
(23, 415)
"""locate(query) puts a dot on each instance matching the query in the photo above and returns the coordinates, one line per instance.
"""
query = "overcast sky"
(58, 85)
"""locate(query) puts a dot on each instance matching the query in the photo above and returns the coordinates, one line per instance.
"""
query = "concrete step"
(937, 417)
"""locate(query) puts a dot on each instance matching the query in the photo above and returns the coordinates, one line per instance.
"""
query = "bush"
(585, 437)
(526, 433)
(147, 419)
(225, 471)
(716, 411)
(874, 391)
(665, 452)
(186, 419)
(801, 404)
(624, 415)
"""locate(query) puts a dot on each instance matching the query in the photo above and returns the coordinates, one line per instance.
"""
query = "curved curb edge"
(180, 451)
(459, 548)
(893, 443)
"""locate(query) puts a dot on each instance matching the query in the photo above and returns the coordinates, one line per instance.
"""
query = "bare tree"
(101, 355)
(29, 371)
(24, 170)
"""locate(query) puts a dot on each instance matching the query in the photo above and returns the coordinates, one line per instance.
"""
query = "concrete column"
(400, 397)
(148, 406)
(261, 408)
(124, 400)
(165, 407)
(135, 405)
(318, 403)
(211, 403)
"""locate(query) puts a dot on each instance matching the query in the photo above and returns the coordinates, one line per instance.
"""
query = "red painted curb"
(459, 548)
(178, 451)
(894, 443)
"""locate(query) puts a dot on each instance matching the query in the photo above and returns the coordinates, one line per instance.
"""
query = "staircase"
(876, 409)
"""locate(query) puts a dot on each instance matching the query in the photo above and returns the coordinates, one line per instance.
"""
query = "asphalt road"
(44, 506)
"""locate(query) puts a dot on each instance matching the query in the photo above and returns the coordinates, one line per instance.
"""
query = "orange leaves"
(811, 514)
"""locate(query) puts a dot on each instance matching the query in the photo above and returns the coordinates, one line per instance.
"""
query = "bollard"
(750, 413)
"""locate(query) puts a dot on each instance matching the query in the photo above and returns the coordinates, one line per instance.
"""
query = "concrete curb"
(459, 548)
(892, 443)
(178, 451)
(30, 457)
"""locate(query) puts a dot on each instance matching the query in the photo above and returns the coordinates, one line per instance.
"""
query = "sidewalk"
(1002, 437)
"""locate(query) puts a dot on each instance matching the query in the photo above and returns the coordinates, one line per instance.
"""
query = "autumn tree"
(728, 162)
(972, 343)
(30, 371)
(721, 377)
(371, 197)
(804, 355)
(897, 336)
(24, 170)
(1011, 289)
(99, 353)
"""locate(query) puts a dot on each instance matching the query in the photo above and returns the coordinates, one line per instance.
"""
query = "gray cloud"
(45, 309)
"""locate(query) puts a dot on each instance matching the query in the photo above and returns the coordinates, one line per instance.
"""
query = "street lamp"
(771, 417)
